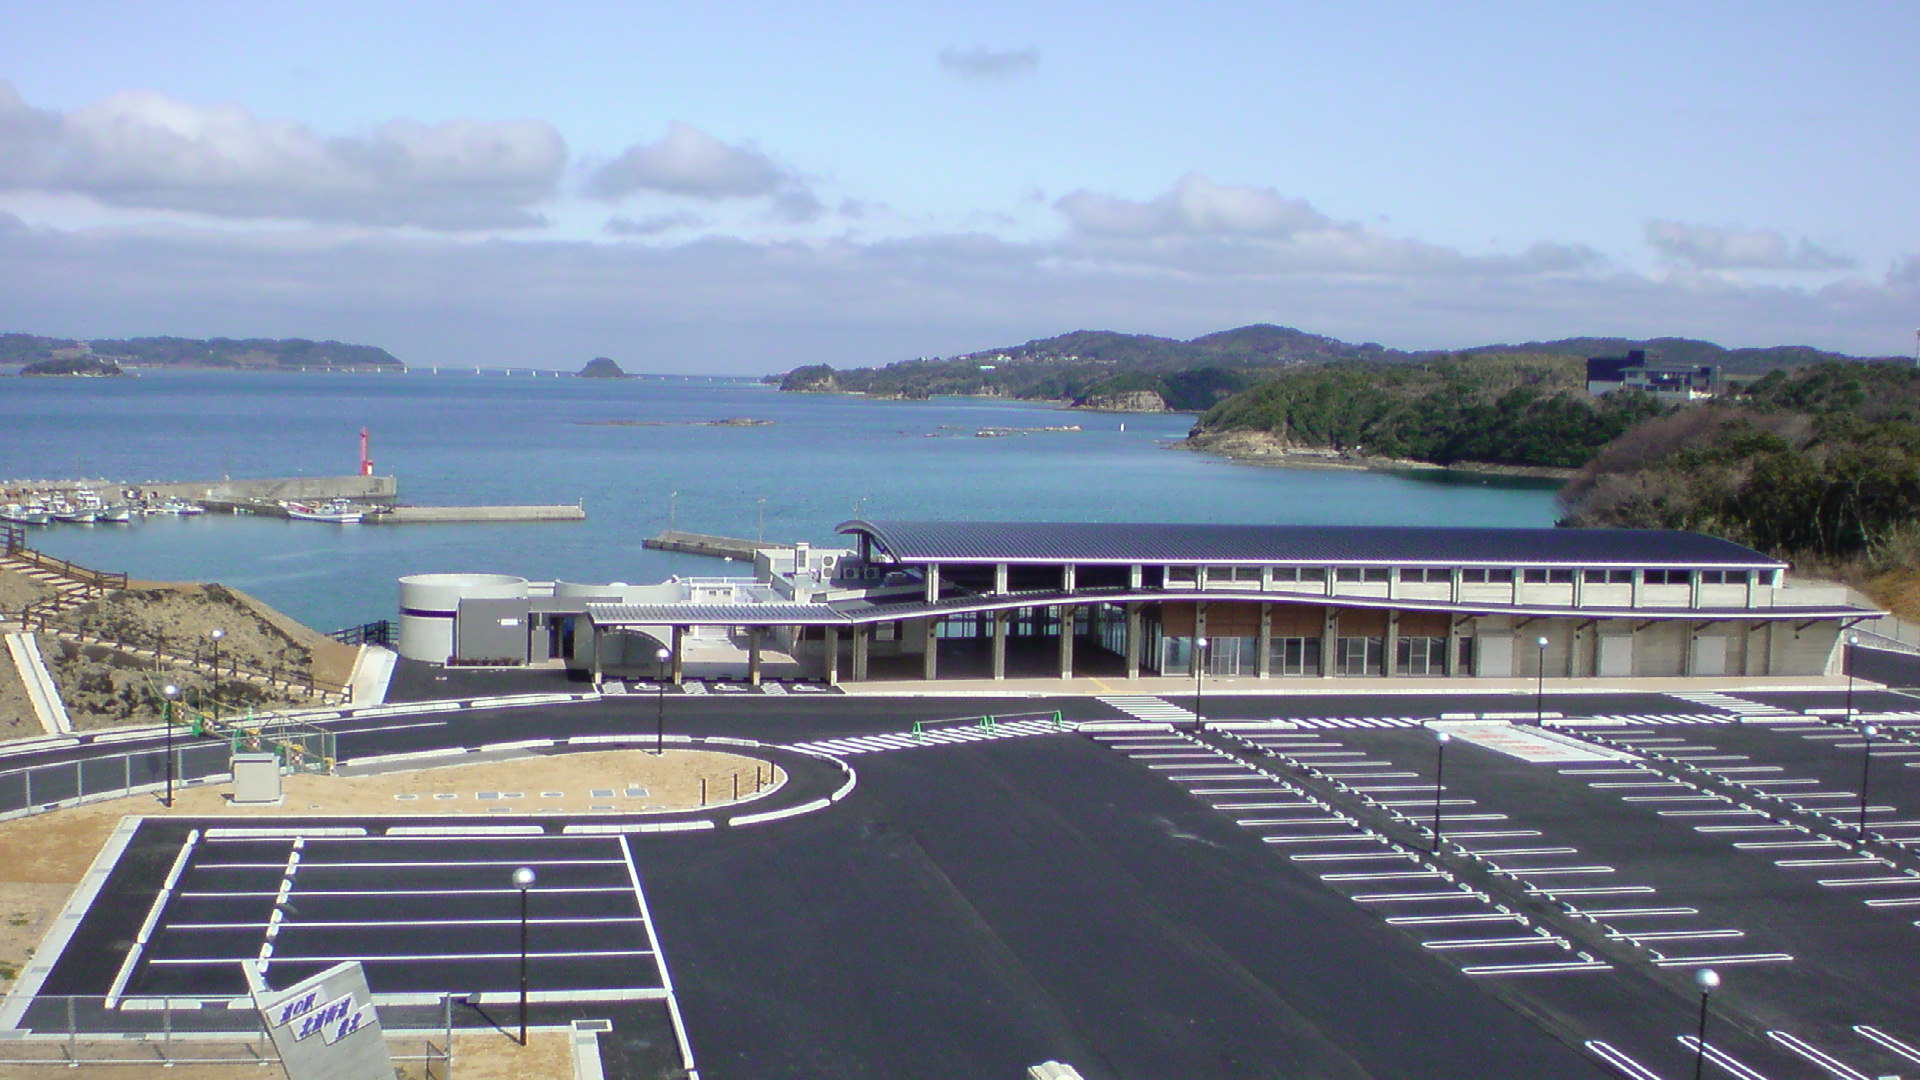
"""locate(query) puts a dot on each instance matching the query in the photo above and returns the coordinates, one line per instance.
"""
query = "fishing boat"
(338, 511)
(119, 513)
(26, 514)
(76, 515)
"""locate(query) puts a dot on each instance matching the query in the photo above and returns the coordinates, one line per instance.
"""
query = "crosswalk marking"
(869, 744)
(1148, 707)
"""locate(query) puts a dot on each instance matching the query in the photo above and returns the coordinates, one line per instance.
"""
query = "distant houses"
(1668, 382)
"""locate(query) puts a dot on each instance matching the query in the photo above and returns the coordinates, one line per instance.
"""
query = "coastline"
(1263, 449)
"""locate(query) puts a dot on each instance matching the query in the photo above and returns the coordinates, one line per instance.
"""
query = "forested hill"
(1104, 369)
(1820, 463)
(257, 353)
(1499, 409)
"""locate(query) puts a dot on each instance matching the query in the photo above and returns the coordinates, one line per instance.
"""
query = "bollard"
(703, 791)
(916, 731)
(736, 786)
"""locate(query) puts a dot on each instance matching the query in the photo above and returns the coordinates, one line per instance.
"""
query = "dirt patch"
(489, 1056)
(17, 720)
(17, 590)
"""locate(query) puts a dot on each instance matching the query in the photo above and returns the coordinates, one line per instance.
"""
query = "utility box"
(256, 779)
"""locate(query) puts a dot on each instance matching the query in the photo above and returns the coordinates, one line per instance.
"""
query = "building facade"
(934, 600)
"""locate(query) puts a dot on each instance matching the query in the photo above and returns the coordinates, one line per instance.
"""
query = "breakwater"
(427, 515)
(719, 547)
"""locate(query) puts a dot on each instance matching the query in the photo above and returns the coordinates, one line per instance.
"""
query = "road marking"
(1633, 1069)
(1817, 1056)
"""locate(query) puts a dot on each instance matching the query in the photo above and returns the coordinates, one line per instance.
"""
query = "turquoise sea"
(493, 438)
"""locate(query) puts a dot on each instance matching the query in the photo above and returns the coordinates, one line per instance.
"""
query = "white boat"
(118, 512)
(338, 511)
(26, 514)
(78, 515)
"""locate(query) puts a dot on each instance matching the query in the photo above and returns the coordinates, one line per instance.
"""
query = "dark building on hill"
(1670, 382)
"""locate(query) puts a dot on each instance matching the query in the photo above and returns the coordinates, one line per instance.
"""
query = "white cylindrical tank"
(429, 604)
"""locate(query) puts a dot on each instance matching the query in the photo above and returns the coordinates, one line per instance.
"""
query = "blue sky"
(742, 188)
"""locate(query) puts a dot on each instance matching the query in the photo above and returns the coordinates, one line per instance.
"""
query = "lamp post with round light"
(1707, 980)
(1867, 732)
(1540, 685)
(1199, 670)
(217, 634)
(1440, 741)
(660, 703)
(1847, 659)
(169, 692)
(523, 880)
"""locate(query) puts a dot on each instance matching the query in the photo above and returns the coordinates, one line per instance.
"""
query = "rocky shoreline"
(1263, 448)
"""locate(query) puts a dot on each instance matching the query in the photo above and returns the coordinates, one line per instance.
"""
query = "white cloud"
(724, 304)
(1705, 247)
(688, 161)
(1196, 206)
(1200, 227)
(984, 63)
(143, 149)
(655, 224)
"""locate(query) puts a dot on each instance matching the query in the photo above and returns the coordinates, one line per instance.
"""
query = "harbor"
(344, 500)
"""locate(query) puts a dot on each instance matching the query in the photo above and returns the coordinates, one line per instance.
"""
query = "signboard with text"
(325, 1027)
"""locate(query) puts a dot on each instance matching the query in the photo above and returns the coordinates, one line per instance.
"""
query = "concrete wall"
(429, 604)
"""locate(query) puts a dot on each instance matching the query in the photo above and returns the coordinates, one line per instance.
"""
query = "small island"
(601, 367)
(86, 367)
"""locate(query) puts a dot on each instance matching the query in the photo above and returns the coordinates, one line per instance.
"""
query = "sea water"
(640, 455)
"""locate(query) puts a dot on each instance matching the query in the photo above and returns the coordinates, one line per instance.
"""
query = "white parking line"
(1817, 1056)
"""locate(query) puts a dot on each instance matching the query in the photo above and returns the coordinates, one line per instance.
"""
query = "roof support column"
(1067, 578)
(1263, 651)
(1329, 643)
(597, 635)
(1390, 648)
(1000, 641)
(930, 659)
(679, 655)
(860, 635)
(933, 582)
(1133, 639)
(754, 636)
(1000, 579)
(832, 650)
(1199, 631)
(1067, 617)
(1451, 662)
(1687, 641)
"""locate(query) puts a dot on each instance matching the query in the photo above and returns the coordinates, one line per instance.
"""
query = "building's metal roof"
(863, 612)
(714, 615)
(1322, 545)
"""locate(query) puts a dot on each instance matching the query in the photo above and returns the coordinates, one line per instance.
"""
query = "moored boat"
(337, 511)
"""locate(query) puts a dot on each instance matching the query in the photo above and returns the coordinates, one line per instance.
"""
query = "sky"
(742, 188)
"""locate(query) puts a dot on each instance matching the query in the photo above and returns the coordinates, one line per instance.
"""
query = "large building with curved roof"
(994, 600)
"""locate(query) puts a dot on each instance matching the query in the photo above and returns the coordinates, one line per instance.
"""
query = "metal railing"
(156, 647)
(74, 1031)
(44, 787)
(378, 632)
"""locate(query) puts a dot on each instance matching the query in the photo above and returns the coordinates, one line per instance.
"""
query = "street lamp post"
(1440, 741)
(1540, 685)
(1867, 732)
(523, 880)
(216, 635)
(660, 701)
(166, 715)
(1199, 670)
(1847, 658)
(1708, 980)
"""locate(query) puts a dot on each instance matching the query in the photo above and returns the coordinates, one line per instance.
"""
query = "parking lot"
(422, 914)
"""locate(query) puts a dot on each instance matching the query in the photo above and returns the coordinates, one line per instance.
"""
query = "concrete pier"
(436, 515)
(720, 547)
